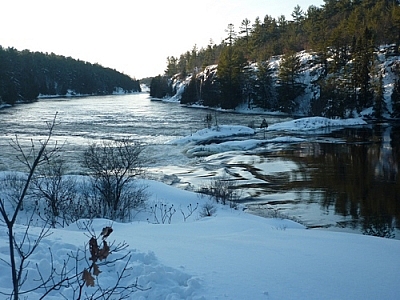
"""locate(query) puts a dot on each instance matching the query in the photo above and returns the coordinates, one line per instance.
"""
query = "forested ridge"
(24, 75)
(344, 38)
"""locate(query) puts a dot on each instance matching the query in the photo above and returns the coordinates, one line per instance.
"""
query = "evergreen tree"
(193, 63)
(294, 34)
(245, 30)
(298, 14)
(231, 34)
(210, 88)
(379, 100)
(362, 64)
(289, 68)
(265, 93)
(190, 94)
(172, 66)
(230, 66)
(209, 55)
(396, 99)
(289, 88)
(160, 87)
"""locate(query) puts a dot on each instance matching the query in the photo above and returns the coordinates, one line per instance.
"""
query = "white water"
(82, 121)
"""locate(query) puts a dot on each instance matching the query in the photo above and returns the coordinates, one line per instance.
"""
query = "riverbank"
(230, 255)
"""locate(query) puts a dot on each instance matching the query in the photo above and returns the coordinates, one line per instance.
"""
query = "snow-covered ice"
(313, 123)
(221, 131)
(225, 131)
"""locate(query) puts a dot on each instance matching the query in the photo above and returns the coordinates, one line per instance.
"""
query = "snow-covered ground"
(229, 255)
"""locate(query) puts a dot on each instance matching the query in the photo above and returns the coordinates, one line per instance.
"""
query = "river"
(342, 180)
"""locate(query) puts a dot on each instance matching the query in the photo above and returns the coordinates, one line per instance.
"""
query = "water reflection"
(359, 178)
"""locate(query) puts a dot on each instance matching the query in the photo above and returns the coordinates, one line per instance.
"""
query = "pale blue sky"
(134, 38)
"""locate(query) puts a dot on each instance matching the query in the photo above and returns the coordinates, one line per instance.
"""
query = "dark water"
(345, 179)
(349, 185)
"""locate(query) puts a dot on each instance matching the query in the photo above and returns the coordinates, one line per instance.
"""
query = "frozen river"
(335, 180)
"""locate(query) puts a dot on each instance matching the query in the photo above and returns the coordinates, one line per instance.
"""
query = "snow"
(225, 131)
(314, 123)
(221, 131)
(230, 255)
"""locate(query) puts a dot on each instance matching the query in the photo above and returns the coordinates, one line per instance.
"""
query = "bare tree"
(35, 156)
(114, 165)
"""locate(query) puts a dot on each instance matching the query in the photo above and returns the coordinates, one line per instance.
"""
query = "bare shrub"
(190, 210)
(161, 213)
(223, 190)
(208, 209)
(78, 276)
(57, 190)
(113, 166)
(82, 268)
(11, 186)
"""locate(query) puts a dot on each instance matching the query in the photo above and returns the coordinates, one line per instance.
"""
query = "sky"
(132, 37)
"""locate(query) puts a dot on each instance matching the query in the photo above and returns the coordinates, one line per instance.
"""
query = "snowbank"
(231, 255)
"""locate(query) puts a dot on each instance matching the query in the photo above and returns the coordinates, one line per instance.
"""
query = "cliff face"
(312, 81)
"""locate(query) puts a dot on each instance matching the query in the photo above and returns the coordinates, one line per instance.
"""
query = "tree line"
(344, 36)
(25, 74)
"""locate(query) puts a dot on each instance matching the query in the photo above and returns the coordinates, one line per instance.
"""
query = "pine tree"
(209, 55)
(245, 29)
(331, 102)
(363, 59)
(210, 88)
(265, 94)
(230, 66)
(289, 88)
(396, 99)
(190, 94)
(379, 100)
(160, 87)
(231, 34)
(172, 66)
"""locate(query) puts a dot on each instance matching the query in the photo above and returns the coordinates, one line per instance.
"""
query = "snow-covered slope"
(230, 255)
